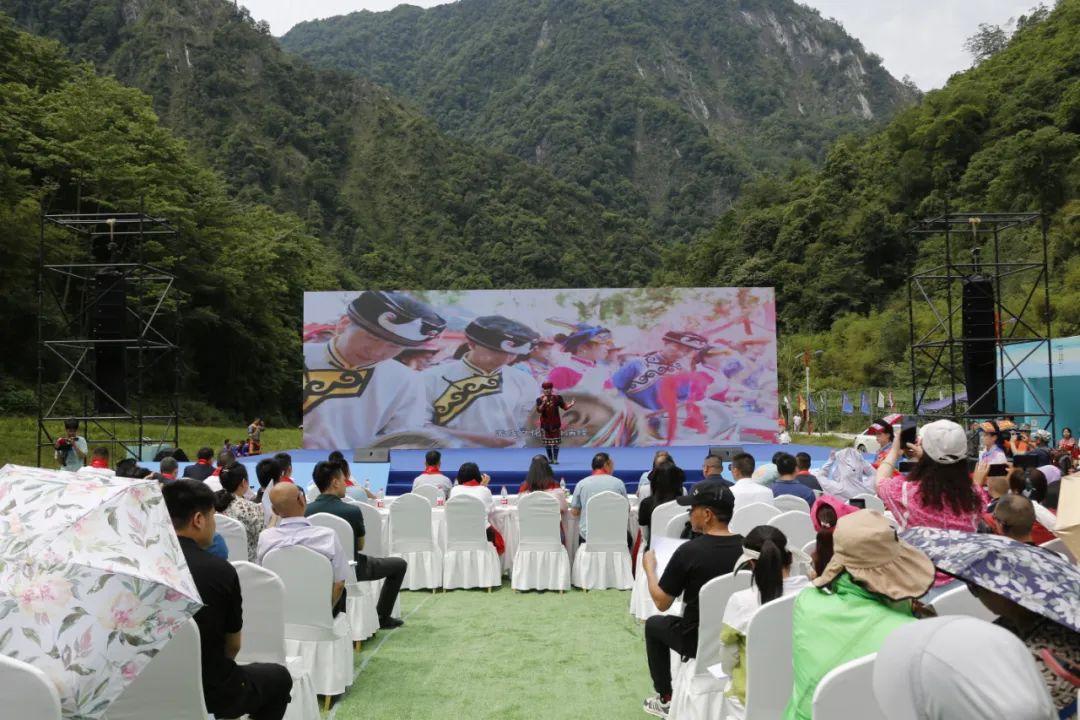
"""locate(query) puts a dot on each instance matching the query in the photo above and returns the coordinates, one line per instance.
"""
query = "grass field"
(506, 655)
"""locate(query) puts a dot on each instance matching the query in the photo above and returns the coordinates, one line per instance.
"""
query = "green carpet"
(471, 654)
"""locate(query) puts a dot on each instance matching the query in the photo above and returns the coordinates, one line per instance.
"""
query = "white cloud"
(920, 38)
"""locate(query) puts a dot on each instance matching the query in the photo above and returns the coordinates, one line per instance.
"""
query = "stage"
(507, 466)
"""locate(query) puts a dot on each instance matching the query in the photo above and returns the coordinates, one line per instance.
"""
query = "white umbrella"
(92, 580)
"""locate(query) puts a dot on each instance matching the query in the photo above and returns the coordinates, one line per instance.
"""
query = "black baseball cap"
(711, 493)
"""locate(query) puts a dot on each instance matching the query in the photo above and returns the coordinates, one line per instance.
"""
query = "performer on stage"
(477, 398)
(354, 390)
(548, 405)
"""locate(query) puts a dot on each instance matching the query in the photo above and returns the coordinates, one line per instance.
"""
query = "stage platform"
(507, 466)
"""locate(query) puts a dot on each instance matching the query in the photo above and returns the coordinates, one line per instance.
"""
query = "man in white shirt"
(289, 504)
(432, 474)
(600, 481)
(745, 489)
(354, 390)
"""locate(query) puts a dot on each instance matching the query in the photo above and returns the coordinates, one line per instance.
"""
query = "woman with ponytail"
(230, 501)
(769, 560)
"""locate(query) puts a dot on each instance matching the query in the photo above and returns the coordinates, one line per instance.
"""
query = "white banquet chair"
(796, 526)
(470, 561)
(213, 482)
(360, 598)
(960, 601)
(170, 686)
(873, 502)
(641, 605)
(26, 691)
(676, 526)
(847, 687)
(785, 503)
(411, 539)
(769, 675)
(234, 534)
(375, 534)
(429, 493)
(696, 694)
(663, 514)
(263, 639)
(311, 631)
(750, 516)
(541, 562)
(311, 492)
(604, 560)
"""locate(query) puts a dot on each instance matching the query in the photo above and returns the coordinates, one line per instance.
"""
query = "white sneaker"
(656, 706)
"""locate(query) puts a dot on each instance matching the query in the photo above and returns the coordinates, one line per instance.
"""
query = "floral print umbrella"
(92, 580)
(1033, 577)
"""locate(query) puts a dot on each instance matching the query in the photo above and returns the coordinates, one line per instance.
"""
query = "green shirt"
(831, 628)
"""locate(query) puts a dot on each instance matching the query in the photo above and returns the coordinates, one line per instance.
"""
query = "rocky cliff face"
(663, 107)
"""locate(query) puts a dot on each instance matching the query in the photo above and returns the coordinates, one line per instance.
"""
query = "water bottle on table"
(502, 494)
(379, 499)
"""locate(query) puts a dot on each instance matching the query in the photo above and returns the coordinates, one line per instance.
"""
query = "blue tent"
(1033, 392)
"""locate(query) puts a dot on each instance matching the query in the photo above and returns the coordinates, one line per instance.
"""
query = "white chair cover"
(213, 482)
(26, 691)
(470, 560)
(696, 694)
(873, 502)
(604, 560)
(641, 605)
(796, 526)
(411, 539)
(663, 513)
(750, 516)
(374, 547)
(960, 601)
(784, 503)
(541, 562)
(429, 493)
(311, 492)
(676, 525)
(360, 598)
(311, 632)
(171, 681)
(234, 534)
(768, 660)
(263, 638)
(845, 688)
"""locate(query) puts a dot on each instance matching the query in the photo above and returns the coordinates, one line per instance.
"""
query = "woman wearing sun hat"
(864, 594)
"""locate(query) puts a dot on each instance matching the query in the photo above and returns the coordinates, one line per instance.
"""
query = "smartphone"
(998, 470)
(1026, 460)
(908, 433)
(858, 502)
(906, 466)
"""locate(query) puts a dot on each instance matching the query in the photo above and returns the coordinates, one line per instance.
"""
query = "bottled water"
(502, 494)
(379, 498)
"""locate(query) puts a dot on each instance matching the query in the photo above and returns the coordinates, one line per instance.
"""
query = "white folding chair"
(750, 516)
(604, 560)
(796, 526)
(873, 502)
(769, 674)
(662, 515)
(26, 691)
(263, 638)
(311, 631)
(234, 534)
(170, 683)
(429, 493)
(541, 562)
(696, 694)
(786, 503)
(411, 539)
(360, 598)
(1058, 545)
(847, 687)
(374, 547)
(470, 560)
(960, 601)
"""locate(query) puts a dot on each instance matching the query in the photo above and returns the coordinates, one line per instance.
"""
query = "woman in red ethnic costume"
(548, 405)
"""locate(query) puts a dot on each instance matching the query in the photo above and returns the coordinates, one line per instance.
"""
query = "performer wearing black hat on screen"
(475, 391)
(548, 405)
(354, 390)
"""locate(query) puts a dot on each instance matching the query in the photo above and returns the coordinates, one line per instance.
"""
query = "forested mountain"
(661, 108)
(1003, 136)
(402, 203)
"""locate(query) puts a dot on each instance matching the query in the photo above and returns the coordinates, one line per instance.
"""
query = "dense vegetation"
(660, 108)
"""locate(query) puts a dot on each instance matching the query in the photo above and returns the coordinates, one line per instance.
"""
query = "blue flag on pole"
(845, 405)
(864, 404)
(812, 407)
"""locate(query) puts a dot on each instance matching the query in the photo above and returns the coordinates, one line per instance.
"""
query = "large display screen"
(646, 366)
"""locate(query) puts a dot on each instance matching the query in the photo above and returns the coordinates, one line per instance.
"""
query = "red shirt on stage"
(549, 412)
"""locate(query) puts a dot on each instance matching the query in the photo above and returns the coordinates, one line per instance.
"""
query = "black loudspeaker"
(725, 452)
(980, 346)
(371, 455)
(108, 322)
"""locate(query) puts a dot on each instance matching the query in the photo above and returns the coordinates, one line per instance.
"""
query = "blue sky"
(920, 38)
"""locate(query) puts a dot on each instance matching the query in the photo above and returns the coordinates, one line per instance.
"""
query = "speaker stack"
(108, 322)
(980, 345)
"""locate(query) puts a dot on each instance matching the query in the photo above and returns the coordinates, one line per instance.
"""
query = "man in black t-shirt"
(712, 554)
(259, 690)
